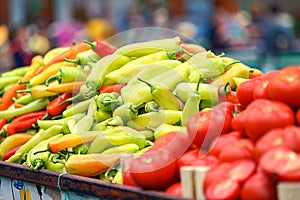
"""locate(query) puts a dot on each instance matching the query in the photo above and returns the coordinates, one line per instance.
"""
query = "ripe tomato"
(298, 116)
(196, 157)
(219, 143)
(244, 92)
(240, 149)
(261, 116)
(258, 187)
(175, 189)
(176, 142)
(127, 179)
(203, 127)
(223, 189)
(285, 86)
(154, 169)
(260, 90)
(286, 137)
(281, 162)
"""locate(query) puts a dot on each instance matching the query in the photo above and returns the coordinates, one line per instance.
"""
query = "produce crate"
(44, 184)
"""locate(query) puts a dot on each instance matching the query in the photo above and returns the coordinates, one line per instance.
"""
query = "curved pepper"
(68, 74)
(127, 111)
(58, 104)
(101, 48)
(84, 58)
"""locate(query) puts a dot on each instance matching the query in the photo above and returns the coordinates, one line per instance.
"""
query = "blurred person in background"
(5, 54)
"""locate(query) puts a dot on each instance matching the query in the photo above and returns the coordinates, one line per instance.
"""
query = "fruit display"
(139, 113)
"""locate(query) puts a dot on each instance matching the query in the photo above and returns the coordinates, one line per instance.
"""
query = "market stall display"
(165, 104)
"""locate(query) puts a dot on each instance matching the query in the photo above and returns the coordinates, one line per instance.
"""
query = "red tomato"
(196, 157)
(281, 162)
(261, 116)
(260, 90)
(154, 169)
(286, 137)
(240, 149)
(258, 187)
(220, 172)
(175, 189)
(176, 142)
(298, 116)
(127, 179)
(241, 170)
(244, 92)
(223, 189)
(203, 127)
(285, 86)
(219, 143)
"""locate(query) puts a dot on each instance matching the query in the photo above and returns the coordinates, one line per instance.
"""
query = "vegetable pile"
(82, 109)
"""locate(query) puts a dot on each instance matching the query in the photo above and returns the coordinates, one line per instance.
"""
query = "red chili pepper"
(58, 105)
(24, 122)
(226, 94)
(69, 54)
(111, 88)
(2, 123)
(11, 152)
(101, 48)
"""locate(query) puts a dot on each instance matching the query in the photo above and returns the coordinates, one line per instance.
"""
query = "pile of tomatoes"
(250, 147)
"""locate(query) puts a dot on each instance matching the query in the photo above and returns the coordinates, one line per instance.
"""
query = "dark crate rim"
(79, 184)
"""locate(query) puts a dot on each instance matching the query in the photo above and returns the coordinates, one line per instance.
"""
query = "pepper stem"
(152, 87)
(46, 116)
(23, 82)
(76, 60)
(26, 90)
(39, 164)
(232, 63)
(92, 44)
(225, 90)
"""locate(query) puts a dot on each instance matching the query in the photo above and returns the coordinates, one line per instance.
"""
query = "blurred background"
(261, 33)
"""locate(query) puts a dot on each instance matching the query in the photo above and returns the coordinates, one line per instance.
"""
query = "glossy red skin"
(261, 116)
(238, 171)
(154, 170)
(281, 162)
(204, 127)
(261, 87)
(285, 137)
(219, 143)
(245, 91)
(56, 106)
(127, 179)
(285, 86)
(258, 187)
(240, 149)
(175, 189)
(223, 189)
(298, 116)
(176, 142)
(196, 157)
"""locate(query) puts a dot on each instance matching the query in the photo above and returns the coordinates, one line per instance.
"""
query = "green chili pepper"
(36, 105)
(166, 128)
(170, 78)
(191, 106)
(4, 81)
(105, 65)
(127, 111)
(36, 139)
(116, 136)
(164, 96)
(154, 119)
(144, 48)
(46, 124)
(79, 107)
(125, 148)
(67, 75)
(101, 115)
(25, 99)
(134, 66)
(113, 121)
(151, 106)
(55, 162)
(107, 101)
(87, 121)
(39, 156)
(207, 91)
(20, 71)
(85, 57)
